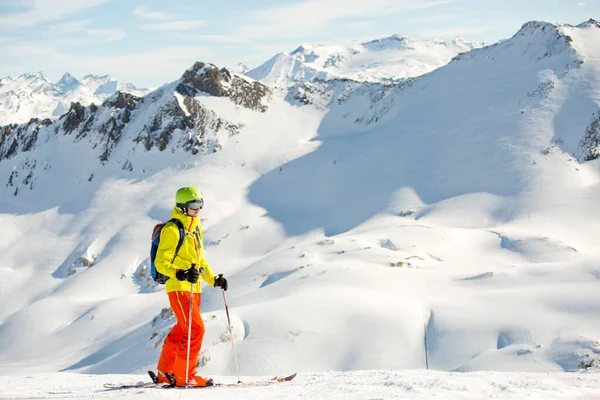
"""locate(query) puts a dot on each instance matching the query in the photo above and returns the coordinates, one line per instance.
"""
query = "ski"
(152, 385)
(139, 385)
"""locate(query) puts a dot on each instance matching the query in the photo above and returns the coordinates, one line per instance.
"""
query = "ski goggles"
(195, 204)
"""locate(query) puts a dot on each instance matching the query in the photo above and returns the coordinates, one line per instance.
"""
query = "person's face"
(194, 207)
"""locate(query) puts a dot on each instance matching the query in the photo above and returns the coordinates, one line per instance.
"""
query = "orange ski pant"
(174, 351)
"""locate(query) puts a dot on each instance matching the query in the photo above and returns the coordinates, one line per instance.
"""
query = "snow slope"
(392, 58)
(359, 385)
(34, 96)
(446, 221)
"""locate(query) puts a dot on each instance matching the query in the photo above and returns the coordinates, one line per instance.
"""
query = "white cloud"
(110, 35)
(77, 33)
(143, 12)
(215, 38)
(582, 4)
(442, 18)
(46, 10)
(358, 26)
(329, 10)
(67, 28)
(18, 3)
(317, 17)
(151, 68)
(4, 39)
(450, 31)
(174, 25)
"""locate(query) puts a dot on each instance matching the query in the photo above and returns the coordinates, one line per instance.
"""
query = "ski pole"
(231, 336)
(187, 361)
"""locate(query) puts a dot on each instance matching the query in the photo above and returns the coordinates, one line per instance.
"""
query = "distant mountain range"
(168, 117)
(389, 59)
(382, 60)
(35, 96)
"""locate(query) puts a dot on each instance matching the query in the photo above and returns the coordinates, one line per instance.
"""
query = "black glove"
(191, 275)
(221, 282)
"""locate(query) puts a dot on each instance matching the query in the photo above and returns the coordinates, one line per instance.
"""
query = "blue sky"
(152, 42)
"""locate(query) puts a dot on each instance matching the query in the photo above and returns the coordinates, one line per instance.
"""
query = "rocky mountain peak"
(239, 68)
(541, 40)
(396, 37)
(35, 82)
(396, 41)
(208, 78)
(121, 100)
(589, 23)
(536, 27)
(67, 83)
(89, 77)
(35, 76)
(201, 77)
(73, 117)
(303, 48)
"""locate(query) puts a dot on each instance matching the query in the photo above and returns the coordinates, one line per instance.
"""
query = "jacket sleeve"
(207, 273)
(169, 237)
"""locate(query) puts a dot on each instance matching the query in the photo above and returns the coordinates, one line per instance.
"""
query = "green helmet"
(187, 194)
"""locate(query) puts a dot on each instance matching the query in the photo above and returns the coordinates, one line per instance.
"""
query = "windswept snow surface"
(450, 220)
(360, 385)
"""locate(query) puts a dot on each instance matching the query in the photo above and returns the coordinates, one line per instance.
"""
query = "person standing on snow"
(184, 270)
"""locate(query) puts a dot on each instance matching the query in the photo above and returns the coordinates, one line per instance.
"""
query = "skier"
(184, 268)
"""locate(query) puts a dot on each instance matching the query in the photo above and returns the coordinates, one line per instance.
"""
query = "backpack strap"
(181, 235)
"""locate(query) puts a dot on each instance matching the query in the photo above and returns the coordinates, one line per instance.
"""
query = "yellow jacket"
(191, 252)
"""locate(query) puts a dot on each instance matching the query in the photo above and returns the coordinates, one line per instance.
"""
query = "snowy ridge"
(30, 96)
(168, 118)
(448, 220)
(388, 59)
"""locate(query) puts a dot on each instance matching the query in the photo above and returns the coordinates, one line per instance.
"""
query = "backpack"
(157, 276)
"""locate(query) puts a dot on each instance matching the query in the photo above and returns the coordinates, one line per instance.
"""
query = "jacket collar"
(189, 223)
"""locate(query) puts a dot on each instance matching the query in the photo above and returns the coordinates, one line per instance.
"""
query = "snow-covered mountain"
(388, 59)
(165, 118)
(448, 221)
(34, 96)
